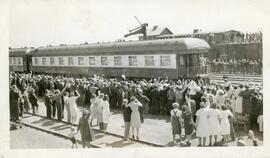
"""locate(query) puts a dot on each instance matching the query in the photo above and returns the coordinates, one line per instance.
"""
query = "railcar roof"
(19, 51)
(182, 44)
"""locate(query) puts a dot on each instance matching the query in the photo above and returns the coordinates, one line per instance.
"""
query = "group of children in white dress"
(100, 110)
(210, 122)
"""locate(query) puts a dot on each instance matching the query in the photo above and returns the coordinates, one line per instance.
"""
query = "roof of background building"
(156, 31)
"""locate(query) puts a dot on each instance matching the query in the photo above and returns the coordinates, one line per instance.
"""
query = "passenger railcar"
(18, 59)
(172, 58)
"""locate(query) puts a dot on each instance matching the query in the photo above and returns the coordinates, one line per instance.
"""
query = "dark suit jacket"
(193, 106)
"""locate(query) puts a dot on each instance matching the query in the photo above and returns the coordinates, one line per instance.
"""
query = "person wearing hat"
(220, 98)
(145, 103)
(48, 103)
(87, 134)
(176, 119)
(179, 95)
(33, 100)
(246, 104)
(57, 97)
(191, 104)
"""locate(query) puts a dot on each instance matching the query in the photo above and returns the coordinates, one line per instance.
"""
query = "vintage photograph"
(117, 74)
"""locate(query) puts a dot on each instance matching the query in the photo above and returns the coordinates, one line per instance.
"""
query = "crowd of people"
(229, 37)
(230, 66)
(243, 37)
(232, 37)
(233, 66)
(195, 106)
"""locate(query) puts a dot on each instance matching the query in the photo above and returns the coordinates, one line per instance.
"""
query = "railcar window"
(165, 61)
(19, 61)
(43, 61)
(117, 60)
(61, 61)
(92, 60)
(149, 61)
(181, 60)
(52, 61)
(70, 61)
(104, 60)
(14, 61)
(10, 61)
(80, 61)
(36, 61)
(132, 61)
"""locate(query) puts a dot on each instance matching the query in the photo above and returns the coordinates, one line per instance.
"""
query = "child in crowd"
(225, 113)
(127, 117)
(176, 117)
(72, 137)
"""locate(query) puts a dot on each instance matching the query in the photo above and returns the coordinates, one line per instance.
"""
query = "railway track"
(62, 129)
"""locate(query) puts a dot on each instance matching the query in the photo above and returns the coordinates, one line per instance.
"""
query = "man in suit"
(191, 104)
(48, 103)
(57, 97)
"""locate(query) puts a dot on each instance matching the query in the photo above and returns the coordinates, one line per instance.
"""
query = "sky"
(53, 22)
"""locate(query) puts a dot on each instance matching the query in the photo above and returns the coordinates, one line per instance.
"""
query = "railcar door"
(29, 63)
(181, 66)
(188, 65)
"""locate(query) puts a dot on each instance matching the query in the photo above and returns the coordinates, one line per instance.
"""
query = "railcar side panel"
(129, 72)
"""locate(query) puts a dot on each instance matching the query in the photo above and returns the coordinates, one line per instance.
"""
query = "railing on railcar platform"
(194, 71)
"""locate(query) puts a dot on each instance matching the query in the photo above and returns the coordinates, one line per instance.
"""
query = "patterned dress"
(188, 123)
(175, 121)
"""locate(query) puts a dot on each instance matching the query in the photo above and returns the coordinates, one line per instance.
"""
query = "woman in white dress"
(99, 110)
(224, 123)
(106, 113)
(238, 100)
(214, 125)
(93, 109)
(220, 99)
(135, 121)
(202, 123)
(66, 105)
(73, 109)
